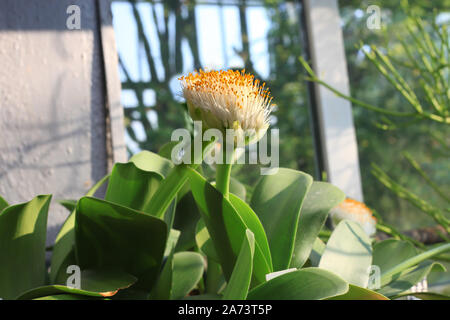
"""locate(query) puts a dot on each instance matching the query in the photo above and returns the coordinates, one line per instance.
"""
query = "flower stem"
(173, 183)
(223, 172)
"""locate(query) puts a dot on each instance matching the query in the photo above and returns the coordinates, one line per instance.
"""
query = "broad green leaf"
(69, 297)
(320, 199)
(348, 253)
(186, 217)
(23, 229)
(303, 284)
(59, 276)
(169, 215)
(63, 253)
(358, 293)
(152, 162)
(215, 280)
(206, 296)
(162, 290)
(251, 220)
(389, 253)
(316, 252)
(168, 190)
(391, 272)
(188, 269)
(439, 281)
(171, 243)
(237, 188)
(237, 287)
(112, 236)
(96, 283)
(3, 204)
(424, 295)
(401, 266)
(163, 287)
(204, 242)
(166, 149)
(407, 278)
(132, 187)
(68, 204)
(277, 200)
(175, 181)
(227, 226)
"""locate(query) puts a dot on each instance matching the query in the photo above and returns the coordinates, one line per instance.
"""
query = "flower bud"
(228, 100)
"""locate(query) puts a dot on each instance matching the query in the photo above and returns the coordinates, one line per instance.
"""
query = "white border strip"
(340, 149)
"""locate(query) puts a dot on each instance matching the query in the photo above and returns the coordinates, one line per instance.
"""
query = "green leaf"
(348, 253)
(227, 226)
(166, 149)
(358, 293)
(408, 278)
(23, 229)
(175, 180)
(204, 242)
(214, 278)
(277, 200)
(171, 243)
(424, 295)
(132, 187)
(68, 204)
(3, 204)
(390, 273)
(303, 284)
(389, 253)
(320, 199)
(112, 236)
(162, 290)
(188, 269)
(206, 296)
(63, 253)
(186, 217)
(69, 297)
(237, 287)
(237, 188)
(152, 162)
(316, 252)
(96, 283)
(163, 287)
(252, 222)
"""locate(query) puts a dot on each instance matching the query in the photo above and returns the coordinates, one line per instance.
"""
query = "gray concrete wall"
(53, 133)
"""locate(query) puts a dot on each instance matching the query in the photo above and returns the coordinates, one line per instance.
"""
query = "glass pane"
(160, 41)
(385, 148)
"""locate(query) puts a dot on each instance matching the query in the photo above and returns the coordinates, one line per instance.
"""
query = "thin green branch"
(313, 77)
(404, 193)
(418, 168)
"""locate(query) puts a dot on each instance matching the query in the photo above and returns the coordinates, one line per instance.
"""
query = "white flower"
(355, 211)
(228, 100)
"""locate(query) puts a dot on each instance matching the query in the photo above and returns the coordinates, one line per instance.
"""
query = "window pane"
(160, 41)
(421, 139)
